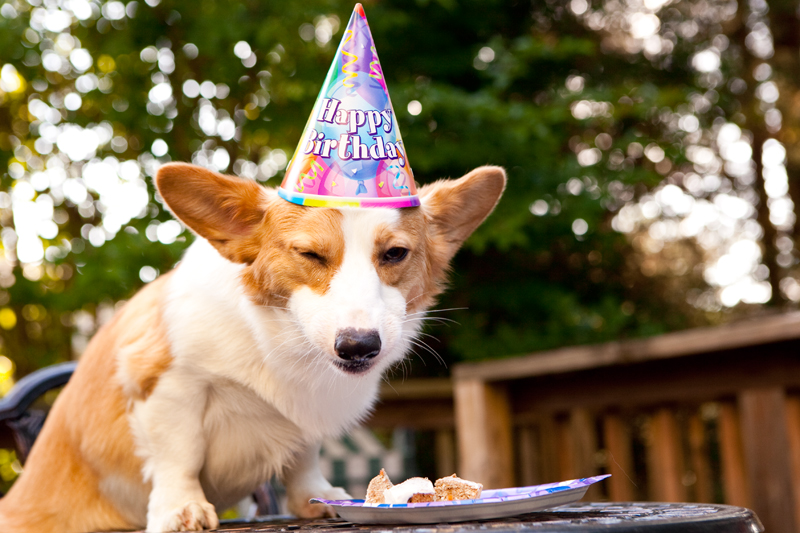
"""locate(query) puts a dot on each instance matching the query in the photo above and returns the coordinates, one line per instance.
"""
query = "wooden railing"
(703, 415)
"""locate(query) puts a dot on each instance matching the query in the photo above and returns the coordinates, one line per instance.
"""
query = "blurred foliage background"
(651, 147)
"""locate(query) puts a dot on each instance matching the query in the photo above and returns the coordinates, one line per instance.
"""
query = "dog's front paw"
(191, 516)
(300, 507)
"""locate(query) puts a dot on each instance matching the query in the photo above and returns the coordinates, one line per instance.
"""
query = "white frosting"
(467, 482)
(404, 491)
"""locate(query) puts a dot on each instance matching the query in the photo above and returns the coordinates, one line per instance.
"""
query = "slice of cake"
(414, 490)
(454, 488)
(377, 485)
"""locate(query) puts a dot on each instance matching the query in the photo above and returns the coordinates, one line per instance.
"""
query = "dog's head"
(356, 281)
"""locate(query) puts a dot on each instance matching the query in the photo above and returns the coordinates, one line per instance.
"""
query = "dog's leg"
(173, 443)
(304, 481)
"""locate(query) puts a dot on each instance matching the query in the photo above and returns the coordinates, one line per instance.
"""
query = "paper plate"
(499, 503)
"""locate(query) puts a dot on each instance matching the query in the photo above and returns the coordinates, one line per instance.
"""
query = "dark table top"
(629, 517)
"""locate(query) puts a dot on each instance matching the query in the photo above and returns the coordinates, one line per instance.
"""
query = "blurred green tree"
(618, 124)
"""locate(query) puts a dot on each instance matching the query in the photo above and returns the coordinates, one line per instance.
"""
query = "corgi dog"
(271, 334)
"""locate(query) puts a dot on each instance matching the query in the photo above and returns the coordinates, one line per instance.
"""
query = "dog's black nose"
(357, 344)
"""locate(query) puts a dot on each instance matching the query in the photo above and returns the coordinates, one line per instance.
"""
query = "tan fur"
(451, 211)
(410, 233)
(222, 209)
(87, 434)
(287, 232)
(454, 208)
(271, 236)
(143, 353)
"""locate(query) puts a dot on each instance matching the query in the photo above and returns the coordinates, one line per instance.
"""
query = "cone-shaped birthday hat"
(351, 152)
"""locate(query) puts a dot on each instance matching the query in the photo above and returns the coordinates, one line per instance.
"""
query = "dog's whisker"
(425, 317)
(278, 307)
(284, 321)
(425, 346)
(295, 338)
(429, 311)
(438, 319)
(414, 298)
(423, 334)
(299, 359)
(414, 353)
(386, 380)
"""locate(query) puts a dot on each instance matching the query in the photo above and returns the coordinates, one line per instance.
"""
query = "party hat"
(351, 152)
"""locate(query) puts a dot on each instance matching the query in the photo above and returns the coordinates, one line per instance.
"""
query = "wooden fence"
(703, 415)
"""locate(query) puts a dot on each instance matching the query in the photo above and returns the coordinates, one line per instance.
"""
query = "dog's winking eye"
(313, 256)
(395, 255)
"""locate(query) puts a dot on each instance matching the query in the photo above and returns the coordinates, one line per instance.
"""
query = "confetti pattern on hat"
(351, 152)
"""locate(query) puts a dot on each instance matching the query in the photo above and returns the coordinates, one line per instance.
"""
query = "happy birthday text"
(348, 145)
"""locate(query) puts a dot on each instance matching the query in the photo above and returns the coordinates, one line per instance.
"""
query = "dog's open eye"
(395, 255)
(313, 257)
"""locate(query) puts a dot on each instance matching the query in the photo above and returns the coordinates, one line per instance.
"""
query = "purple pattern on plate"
(489, 496)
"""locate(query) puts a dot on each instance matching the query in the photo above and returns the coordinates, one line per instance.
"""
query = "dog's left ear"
(222, 209)
(457, 207)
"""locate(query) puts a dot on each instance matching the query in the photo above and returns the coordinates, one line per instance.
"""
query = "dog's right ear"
(222, 209)
(457, 207)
